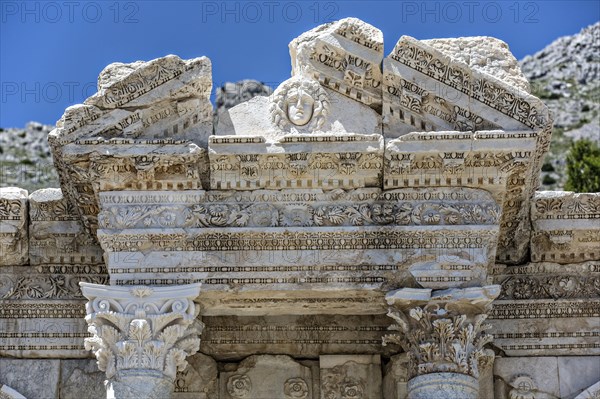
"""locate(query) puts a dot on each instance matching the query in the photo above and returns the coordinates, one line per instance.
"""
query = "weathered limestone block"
(81, 379)
(344, 56)
(484, 54)
(566, 227)
(545, 377)
(546, 327)
(443, 334)
(265, 376)
(296, 161)
(199, 380)
(160, 99)
(547, 309)
(14, 248)
(300, 106)
(547, 280)
(500, 162)
(122, 164)
(143, 129)
(32, 378)
(591, 392)
(304, 336)
(141, 336)
(426, 89)
(7, 392)
(48, 281)
(395, 378)
(577, 373)
(56, 235)
(350, 376)
(37, 328)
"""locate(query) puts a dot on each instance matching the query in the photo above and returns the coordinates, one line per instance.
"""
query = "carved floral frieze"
(296, 160)
(312, 209)
(39, 284)
(555, 287)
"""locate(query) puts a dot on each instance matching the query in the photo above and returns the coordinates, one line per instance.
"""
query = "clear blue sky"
(52, 51)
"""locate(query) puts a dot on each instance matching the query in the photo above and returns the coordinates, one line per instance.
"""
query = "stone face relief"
(300, 102)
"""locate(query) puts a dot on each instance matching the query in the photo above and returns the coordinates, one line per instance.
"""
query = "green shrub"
(547, 180)
(547, 167)
(583, 167)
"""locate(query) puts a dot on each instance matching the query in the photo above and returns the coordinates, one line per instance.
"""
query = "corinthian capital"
(142, 330)
(442, 331)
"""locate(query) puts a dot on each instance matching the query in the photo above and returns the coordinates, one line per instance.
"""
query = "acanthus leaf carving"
(443, 332)
(149, 328)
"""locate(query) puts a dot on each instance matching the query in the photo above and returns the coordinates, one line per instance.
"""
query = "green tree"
(583, 167)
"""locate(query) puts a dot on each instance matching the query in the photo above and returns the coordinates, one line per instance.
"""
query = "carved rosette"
(142, 330)
(443, 331)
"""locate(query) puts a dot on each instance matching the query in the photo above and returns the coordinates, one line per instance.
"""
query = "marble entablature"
(370, 230)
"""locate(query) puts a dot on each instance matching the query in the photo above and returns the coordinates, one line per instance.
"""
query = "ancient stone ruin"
(370, 230)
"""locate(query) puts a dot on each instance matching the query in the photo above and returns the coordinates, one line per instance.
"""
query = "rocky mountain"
(25, 158)
(233, 93)
(566, 76)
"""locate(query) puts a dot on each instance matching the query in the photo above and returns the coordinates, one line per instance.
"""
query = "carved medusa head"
(300, 102)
